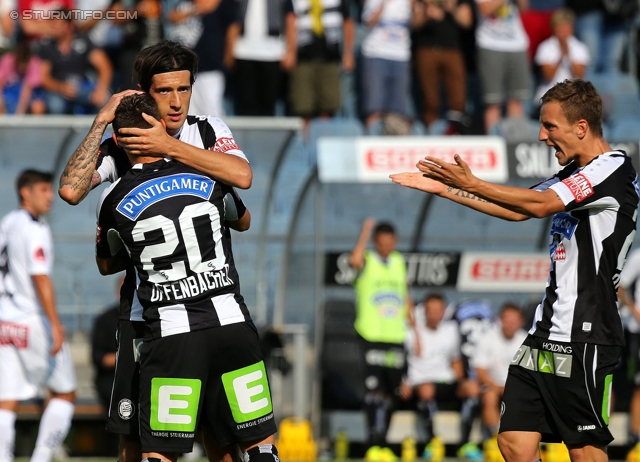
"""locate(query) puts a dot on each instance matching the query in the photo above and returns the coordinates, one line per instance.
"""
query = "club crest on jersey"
(564, 225)
(579, 186)
(153, 191)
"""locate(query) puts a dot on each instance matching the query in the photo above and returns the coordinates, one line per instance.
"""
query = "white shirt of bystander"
(438, 349)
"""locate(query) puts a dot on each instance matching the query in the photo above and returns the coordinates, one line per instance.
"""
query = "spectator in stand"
(435, 368)
(502, 59)
(264, 46)
(67, 57)
(205, 27)
(494, 355)
(387, 51)
(561, 56)
(182, 21)
(104, 33)
(439, 57)
(326, 34)
(7, 25)
(603, 30)
(37, 27)
(21, 82)
(536, 20)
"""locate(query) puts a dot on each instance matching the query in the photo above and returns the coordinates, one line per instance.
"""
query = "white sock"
(53, 429)
(7, 435)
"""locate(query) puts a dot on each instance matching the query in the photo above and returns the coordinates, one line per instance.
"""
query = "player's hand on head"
(418, 180)
(108, 111)
(57, 337)
(145, 141)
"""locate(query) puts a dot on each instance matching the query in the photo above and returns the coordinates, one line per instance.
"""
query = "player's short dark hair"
(30, 177)
(579, 99)
(129, 111)
(435, 296)
(163, 57)
(384, 227)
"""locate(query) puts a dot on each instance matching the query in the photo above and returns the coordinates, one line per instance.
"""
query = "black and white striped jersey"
(169, 217)
(205, 132)
(588, 246)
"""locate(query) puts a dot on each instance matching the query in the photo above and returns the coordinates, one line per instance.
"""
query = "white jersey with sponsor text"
(588, 245)
(25, 249)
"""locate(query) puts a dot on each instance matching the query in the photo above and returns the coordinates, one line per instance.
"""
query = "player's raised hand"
(145, 141)
(457, 175)
(419, 181)
(108, 111)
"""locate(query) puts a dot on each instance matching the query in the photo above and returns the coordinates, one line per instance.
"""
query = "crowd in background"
(471, 63)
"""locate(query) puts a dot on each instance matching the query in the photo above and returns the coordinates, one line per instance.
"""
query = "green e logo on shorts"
(174, 404)
(248, 393)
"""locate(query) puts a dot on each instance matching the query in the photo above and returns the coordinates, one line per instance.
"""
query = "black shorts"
(384, 366)
(561, 390)
(216, 375)
(123, 408)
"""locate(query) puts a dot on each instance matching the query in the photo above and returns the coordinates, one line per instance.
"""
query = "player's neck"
(142, 159)
(33, 212)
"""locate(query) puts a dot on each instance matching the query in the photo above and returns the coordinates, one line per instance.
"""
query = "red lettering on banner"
(579, 186)
(506, 270)
(394, 159)
(225, 145)
(14, 334)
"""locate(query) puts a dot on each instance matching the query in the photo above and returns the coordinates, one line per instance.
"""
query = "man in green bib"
(381, 321)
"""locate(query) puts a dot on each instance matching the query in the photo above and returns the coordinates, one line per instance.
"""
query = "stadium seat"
(625, 129)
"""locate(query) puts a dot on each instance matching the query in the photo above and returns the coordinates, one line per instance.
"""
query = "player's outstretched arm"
(522, 201)
(46, 295)
(79, 175)
(419, 181)
(228, 168)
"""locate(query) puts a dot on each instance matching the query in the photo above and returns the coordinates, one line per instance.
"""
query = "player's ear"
(115, 138)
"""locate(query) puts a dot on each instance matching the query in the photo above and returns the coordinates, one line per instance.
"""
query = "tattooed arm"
(417, 180)
(79, 175)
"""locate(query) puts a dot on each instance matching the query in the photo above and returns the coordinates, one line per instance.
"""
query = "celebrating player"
(166, 71)
(558, 384)
(200, 358)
